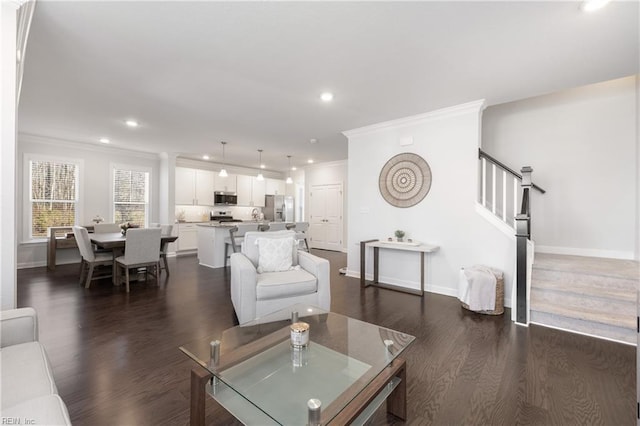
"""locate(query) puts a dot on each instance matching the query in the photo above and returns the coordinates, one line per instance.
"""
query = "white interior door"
(325, 217)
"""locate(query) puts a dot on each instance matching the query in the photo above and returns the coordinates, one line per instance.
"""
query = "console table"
(421, 248)
(57, 241)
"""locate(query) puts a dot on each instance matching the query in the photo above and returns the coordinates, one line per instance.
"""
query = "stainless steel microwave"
(225, 199)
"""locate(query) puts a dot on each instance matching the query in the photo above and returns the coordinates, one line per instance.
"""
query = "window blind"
(130, 196)
(53, 195)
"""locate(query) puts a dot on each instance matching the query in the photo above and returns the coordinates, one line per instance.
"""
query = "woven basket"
(499, 308)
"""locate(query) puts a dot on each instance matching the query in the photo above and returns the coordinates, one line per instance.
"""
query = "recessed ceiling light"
(104, 140)
(313, 140)
(131, 123)
(326, 97)
(262, 166)
(294, 168)
(593, 5)
(205, 157)
(310, 161)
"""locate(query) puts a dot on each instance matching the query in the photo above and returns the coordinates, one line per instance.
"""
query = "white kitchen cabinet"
(194, 187)
(225, 184)
(244, 190)
(274, 186)
(185, 186)
(258, 191)
(204, 187)
(187, 236)
(250, 191)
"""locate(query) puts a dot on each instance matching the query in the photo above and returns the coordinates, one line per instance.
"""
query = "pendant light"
(289, 180)
(260, 177)
(223, 171)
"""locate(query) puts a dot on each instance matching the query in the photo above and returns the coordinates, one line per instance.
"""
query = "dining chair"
(90, 259)
(277, 226)
(142, 250)
(236, 238)
(165, 231)
(104, 228)
(302, 229)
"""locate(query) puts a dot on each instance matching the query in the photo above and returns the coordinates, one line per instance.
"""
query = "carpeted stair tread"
(619, 268)
(584, 308)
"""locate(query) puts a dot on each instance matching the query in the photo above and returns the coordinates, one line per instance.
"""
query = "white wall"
(94, 187)
(448, 140)
(8, 30)
(582, 145)
(325, 174)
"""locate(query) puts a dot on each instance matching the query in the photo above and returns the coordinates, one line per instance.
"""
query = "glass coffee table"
(348, 369)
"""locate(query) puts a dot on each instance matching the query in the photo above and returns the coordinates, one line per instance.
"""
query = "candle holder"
(299, 335)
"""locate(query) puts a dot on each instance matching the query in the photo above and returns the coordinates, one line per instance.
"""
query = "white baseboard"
(431, 288)
(438, 289)
(573, 251)
(27, 265)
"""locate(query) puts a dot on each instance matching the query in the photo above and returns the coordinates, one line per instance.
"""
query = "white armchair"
(257, 289)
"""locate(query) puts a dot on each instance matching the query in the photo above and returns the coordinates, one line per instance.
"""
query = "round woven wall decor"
(405, 180)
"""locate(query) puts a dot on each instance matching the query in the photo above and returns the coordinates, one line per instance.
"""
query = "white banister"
(484, 182)
(504, 195)
(493, 188)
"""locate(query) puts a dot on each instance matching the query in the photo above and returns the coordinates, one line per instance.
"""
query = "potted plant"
(399, 235)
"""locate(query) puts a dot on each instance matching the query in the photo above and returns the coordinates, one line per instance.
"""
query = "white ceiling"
(250, 73)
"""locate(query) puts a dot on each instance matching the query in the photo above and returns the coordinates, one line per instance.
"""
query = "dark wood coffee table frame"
(396, 401)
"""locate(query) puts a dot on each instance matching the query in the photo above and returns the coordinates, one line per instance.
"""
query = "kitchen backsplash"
(201, 214)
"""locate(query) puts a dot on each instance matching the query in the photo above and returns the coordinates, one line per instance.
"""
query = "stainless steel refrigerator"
(278, 208)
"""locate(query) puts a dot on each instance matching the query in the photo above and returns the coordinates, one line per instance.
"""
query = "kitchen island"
(211, 243)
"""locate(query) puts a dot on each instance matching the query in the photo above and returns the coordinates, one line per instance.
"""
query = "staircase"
(590, 295)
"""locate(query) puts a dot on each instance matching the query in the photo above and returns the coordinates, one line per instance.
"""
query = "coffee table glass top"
(258, 368)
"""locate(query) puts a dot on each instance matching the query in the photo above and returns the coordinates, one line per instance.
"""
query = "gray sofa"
(29, 393)
(256, 294)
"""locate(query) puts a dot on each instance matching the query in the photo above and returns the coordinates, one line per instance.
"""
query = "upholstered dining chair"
(90, 259)
(105, 228)
(142, 250)
(277, 226)
(236, 237)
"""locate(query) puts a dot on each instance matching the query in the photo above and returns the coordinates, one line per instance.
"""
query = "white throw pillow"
(275, 254)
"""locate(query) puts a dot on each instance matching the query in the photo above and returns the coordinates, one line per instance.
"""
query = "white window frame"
(26, 183)
(136, 168)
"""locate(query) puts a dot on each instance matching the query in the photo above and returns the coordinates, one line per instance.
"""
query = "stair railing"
(500, 186)
(521, 217)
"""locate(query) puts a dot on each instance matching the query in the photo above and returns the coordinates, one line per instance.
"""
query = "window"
(54, 195)
(130, 196)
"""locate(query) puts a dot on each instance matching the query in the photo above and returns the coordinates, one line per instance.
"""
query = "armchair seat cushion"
(279, 285)
(26, 373)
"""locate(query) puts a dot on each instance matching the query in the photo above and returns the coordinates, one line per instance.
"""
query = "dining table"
(116, 241)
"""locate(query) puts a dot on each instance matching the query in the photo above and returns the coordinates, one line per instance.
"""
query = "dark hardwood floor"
(116, 360)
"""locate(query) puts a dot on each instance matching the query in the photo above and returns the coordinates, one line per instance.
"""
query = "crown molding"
(439, 114)
(46, 140)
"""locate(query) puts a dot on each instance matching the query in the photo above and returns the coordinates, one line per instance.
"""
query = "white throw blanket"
(478, 288)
